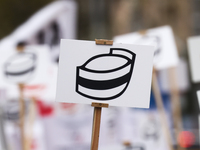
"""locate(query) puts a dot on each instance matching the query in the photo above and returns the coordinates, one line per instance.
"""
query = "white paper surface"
(144, 128)
(111, 127)
(198, 97)
(194, 57)
(42, 82)
(62, 13)
(199, 127)
(141, 128)
(162, 39)
(182, 76)
(75, 53)
(73, 131)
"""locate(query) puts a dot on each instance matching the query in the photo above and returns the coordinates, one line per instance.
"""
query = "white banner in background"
(69, 131)
(199, 128)
(47, 26)
(198, 97)
(182, 75)
(118, 74)
(161, 38)
(111, 127)
(33, 67)
(194, 57)
(142, 129)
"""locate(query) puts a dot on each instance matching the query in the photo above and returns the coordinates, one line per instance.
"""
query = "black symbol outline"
(155, 135)
(19, 73)
(106, 84)
(158, 41)
(158, 50)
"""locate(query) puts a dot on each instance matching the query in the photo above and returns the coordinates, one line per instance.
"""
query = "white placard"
(142, 129)
(199, 128)
(194, 57)
(161, 38)
(34, 68)
(73, 127)
(119, 75)
(198, 97)
(181, 74)
(47, 26)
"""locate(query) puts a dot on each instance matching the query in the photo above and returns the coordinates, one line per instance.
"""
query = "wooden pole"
(96, 124)
(98, 107)
(161, 110)
(20, 48)
(175, 104)
(3, 141)
(21, 115)
(31, 119)
(96, 128)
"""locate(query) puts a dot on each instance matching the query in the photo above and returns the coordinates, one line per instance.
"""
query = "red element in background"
(35, 87)
(186, 139)
(44, 110)
(33, 145)
(67, 105)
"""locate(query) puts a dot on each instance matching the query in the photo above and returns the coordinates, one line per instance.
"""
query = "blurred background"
(40, 24)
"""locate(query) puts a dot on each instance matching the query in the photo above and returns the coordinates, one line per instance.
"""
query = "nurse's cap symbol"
(109, 80)
(20, 67)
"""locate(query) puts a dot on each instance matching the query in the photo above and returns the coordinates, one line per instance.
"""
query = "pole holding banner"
(20, 49)
(175, 99)
(175, 104)
(103, 42)
(31, 120)
(21, 114)
(97, 109)
(161, 110)
(3, 141)
(96, 124)
(159, 103)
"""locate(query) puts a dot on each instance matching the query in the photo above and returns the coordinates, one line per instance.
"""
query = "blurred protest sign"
(198, 97)
(105, 74)
(144, 128)
(183, 82)
(3, 141)
(161, 38)
(165, 56)
(111, 127)
(194, 57)
(38, 72)
(47, 26)
(73, 128)
(139, 130)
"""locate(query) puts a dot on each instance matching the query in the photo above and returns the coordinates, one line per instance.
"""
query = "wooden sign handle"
(21, 116)
(98, 107)
(96, 124)
(142, 32)
(20, 48)
(175, 103)
(31, 120)
(161, 110)
(103, 42)
(96, 128)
